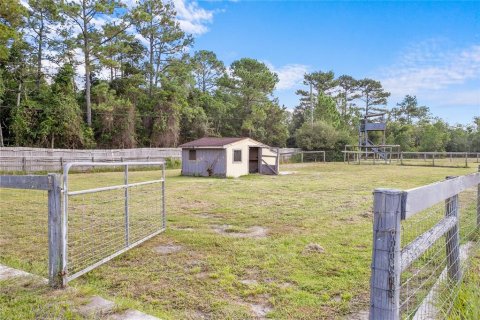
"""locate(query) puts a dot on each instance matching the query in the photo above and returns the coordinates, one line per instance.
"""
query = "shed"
(227, 157)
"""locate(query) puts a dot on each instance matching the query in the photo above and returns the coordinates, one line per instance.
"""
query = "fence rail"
(411, 268)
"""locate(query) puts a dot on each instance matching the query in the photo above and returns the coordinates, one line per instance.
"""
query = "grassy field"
(293, 246)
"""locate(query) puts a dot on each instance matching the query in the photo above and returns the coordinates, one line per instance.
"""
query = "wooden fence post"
(386, 258)
(401, 157)
(452, 239)
(466, 160)
(56, 269)
(277, 161)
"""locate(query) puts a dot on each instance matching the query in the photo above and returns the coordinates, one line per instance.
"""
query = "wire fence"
(105, 216)
(439, 159)
(392, 155)
(65, 232)
(422, 247)
(427, 289)
(303, 156)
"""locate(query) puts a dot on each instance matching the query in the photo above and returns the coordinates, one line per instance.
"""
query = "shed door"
(253, 160)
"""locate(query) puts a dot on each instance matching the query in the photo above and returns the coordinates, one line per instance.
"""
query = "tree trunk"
(40, 52)
(150, 67)
(1, 135)
(86, 50)
(19, 94)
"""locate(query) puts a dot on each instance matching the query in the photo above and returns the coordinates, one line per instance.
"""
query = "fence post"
(324, 156)
(385, 277)
(56, 238)
(301, 156)
(401, 157)
(164, 219)
(127, 217)
(466, 160)
(433, 158)
(452, 238)
(277, 161)
(478, 202)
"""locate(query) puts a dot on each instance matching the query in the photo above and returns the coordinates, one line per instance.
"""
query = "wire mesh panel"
(107, 213)
(24, 230)
(428, 285)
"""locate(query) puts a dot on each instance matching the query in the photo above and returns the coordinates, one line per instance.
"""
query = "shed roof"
(213, 142)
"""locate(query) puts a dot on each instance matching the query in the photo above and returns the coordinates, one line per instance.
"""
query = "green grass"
(466, 305)
(325, 204)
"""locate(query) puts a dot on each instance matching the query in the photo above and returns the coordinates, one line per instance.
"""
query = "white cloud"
(429, 67)
(191, 17)
(289, 76)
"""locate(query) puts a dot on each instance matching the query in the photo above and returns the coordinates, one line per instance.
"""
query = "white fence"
(421, 238)
(17, 159)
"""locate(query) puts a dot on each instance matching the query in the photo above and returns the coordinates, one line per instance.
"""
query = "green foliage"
(408, 110)
(432, 136)
(320, 136)
(11, 17)
(115, 120)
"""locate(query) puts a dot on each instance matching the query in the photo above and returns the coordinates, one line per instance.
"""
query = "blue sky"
(427, 49)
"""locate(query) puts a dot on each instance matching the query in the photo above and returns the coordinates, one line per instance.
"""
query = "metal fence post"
(478, 202)
(56, 236)
(452, 238)
(385, 277)
(164, 219)
(127, 218)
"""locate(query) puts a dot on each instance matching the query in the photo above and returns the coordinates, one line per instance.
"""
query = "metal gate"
(102, 222)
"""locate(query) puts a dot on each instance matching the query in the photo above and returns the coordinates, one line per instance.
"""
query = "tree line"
(69, 81)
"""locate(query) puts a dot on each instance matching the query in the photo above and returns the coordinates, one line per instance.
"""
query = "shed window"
(237, 155)
(192, 154)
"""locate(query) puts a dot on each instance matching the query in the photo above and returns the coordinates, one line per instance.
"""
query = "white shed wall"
(237, 169)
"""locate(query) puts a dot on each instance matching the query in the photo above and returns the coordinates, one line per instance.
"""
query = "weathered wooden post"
(466, 160)
(56, 238)
(324, 156)
(386, 258)
(452, 238)
(301, 156)
(433, 158)
(401, 158)
(277, 161)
